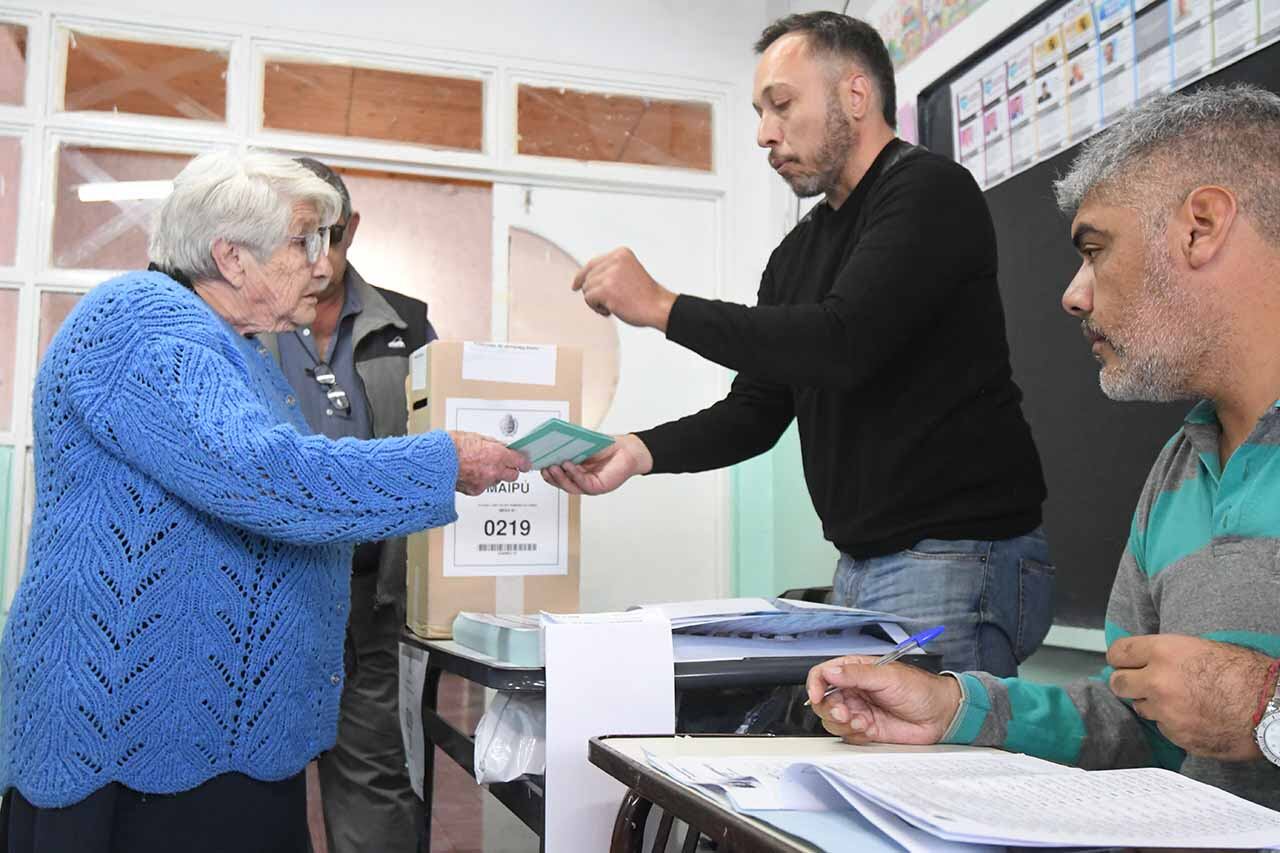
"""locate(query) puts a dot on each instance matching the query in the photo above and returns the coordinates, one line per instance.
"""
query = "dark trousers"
(364, 784)
(231, 812)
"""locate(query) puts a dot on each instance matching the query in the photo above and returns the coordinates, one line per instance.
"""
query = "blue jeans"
(995, 598)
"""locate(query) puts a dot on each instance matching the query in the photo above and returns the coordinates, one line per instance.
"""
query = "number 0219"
(507, 527)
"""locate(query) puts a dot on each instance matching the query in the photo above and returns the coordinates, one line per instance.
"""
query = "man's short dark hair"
(849, 38)
(332, 178)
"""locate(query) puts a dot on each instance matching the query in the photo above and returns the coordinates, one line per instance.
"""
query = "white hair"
(1159, 151)
(243, 198)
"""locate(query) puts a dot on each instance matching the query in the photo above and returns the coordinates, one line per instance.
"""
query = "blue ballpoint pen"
(901, 649)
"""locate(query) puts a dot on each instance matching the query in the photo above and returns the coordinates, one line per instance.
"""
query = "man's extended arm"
(927, 238)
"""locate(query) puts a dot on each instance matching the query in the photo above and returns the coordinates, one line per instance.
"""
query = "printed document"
(924, 799)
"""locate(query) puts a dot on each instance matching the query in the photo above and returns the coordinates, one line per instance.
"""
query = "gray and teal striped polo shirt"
(1201, 560)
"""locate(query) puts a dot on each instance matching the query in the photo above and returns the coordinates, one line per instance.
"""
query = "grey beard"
(1174, 328)
(1147, 380)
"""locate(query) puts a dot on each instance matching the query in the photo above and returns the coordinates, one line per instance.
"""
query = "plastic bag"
(511, 738)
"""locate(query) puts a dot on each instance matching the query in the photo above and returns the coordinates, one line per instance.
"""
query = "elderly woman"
(174, 655)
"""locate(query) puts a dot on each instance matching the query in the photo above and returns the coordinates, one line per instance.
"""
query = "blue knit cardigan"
(186, 589)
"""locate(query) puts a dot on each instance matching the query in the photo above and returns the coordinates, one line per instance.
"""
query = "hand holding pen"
(862, 701)
(913, 642)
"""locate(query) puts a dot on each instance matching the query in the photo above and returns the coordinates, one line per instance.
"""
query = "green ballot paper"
(555, 441)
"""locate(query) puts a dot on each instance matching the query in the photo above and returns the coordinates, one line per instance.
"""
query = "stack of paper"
(737, 628)
(763, 616)
(721, 629)
(514, 639)
(956, 800)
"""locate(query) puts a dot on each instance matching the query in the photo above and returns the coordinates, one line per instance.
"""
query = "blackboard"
(1096, 453)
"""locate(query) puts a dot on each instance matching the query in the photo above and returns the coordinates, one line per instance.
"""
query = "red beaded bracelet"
(1268, 690)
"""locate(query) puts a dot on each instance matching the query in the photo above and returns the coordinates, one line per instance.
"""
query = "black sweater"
(879, 327)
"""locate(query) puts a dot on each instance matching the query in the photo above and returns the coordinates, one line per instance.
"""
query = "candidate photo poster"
(1268, 20)
(1192, 40)
(968, 121)
(995, 123)
(1022, 131)
(1078, 27)
(1021, 103)
(968, 103)
(1115, 56)
(1051, 115)
(996, 142)
(971, 150)
(1084, 104)
(1235, 29)
(1154, 54)
(1084, 108)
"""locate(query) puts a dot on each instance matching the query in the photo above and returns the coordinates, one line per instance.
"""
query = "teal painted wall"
(777, 538)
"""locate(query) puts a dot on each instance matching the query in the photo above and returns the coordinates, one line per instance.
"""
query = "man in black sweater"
(879, 328)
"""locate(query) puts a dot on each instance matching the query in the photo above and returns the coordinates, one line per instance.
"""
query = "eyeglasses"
(323, 374)
(315, 244)
(336, 232)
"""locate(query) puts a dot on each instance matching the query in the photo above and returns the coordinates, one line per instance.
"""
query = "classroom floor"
(461, 817)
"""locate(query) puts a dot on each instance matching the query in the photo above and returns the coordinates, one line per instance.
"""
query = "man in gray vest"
(348, 369)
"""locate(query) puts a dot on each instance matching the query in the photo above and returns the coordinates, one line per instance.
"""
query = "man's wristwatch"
(1266, 729)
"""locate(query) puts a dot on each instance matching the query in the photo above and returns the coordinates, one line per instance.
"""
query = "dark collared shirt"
(298, 358)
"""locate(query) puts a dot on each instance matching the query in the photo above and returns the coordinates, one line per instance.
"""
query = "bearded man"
(879, 329)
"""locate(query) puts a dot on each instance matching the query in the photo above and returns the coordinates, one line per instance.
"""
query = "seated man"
(1177, 220)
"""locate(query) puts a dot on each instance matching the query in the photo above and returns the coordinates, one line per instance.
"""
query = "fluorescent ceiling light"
(124, 190)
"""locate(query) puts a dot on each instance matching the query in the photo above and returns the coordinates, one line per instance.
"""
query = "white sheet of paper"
(751, 782)
(776, 776)
(418, 368)
(413, 675)
(1146, 807)
(524, 364)
(519, 528)
(693, 647)
(913, 839)
(682, 610)
(603, 677)
(937, 800)
(609, 618)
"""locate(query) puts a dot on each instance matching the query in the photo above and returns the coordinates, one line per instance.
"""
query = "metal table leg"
(628, 826)
(428, 708)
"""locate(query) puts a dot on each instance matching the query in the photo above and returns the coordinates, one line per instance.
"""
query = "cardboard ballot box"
(514, 549)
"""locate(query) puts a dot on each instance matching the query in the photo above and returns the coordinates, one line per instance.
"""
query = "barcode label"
(509, 547)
